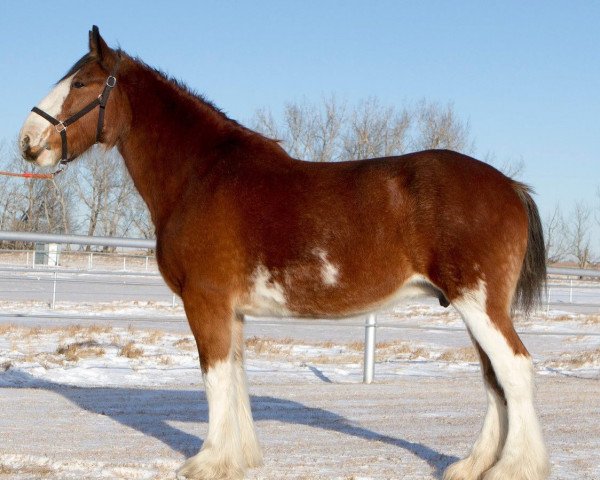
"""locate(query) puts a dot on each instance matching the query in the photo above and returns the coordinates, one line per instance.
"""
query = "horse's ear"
(100, 50)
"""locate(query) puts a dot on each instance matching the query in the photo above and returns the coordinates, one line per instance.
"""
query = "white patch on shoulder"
(38, 128)
(329, 272)
(266, 296)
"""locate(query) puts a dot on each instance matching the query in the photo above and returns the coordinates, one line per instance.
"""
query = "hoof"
(462, 470)
(467, 469)
(502, 471)
(208, 465)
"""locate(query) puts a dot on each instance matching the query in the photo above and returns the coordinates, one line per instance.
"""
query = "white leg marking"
(221, 455)
(524, 455)
(249, 440)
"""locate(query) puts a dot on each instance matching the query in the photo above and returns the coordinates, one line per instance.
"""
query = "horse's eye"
(78, 85)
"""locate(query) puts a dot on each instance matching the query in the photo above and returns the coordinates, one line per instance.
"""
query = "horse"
(242, 229)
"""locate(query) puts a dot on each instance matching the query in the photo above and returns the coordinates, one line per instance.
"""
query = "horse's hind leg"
(250, 447)
(488, 446)
(221, 456)
(523, 456)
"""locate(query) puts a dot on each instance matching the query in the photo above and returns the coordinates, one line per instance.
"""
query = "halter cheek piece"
(100, 101)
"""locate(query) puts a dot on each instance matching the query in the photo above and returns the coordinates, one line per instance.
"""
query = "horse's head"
(83, 108)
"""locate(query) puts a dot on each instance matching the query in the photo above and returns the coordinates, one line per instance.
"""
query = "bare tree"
(105, 190)
(579, 224)
(375, 131)
(556, 237)
(33, 205)
(138, 217)
(325, 132)
(308, 131)
(510, 168)
(438, 126)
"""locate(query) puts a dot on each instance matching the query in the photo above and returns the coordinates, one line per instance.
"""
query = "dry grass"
(592, 319)
(78, 350)
(335, 359)
(265, 346)
(356, 346)
(36, 471)
(165, 360)
(129, 350)
(270, 346)
(7, 328)
(98, 329)
(185, 343)
(562, 318)
(578, 360)
(464, 354)
(153, 337)
(320, 353)
(388, 351)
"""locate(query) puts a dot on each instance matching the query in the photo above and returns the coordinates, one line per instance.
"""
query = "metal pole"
(173, 301)
(548, 302)
(571, 292)
(27, 261)
(79, 240)
(369, 367)
(124, 259)
(53, 293)
(146, 262)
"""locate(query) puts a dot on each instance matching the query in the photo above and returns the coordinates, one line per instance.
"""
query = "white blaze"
(38, 129)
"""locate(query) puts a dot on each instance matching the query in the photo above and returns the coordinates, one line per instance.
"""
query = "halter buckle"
(111, 81)
(60, 127)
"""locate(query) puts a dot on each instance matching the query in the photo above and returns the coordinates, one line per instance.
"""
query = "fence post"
(369, 361)
(53, 293)
(571, 292)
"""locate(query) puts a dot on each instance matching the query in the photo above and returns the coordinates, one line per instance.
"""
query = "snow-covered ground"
(106, 400)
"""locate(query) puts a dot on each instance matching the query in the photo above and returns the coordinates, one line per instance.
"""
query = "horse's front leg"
(221, 456)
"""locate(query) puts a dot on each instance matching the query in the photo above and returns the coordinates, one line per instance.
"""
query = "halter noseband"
(99, 101)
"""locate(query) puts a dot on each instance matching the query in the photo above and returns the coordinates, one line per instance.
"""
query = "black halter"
(100, 101)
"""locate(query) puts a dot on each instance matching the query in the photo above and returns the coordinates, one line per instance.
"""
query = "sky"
(524, 75)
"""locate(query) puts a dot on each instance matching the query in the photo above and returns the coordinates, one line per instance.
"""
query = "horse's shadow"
(149, 411)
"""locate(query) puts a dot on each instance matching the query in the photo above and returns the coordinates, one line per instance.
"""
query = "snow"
(107, 400)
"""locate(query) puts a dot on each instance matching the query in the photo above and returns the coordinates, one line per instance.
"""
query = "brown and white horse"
(243, 228)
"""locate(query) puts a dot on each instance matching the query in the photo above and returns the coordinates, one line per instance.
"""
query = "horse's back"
(341, 237)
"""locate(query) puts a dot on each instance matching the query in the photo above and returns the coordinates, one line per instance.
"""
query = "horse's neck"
(169, 141)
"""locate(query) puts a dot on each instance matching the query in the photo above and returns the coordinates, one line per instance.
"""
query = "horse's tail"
(532, 281)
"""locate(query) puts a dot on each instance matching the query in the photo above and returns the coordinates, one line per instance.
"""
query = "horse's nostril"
(25, 142)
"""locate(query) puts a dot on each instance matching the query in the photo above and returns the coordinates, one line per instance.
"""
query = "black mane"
(192, 93)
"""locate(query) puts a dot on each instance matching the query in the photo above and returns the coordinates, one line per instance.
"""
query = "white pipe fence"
(370, 324)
